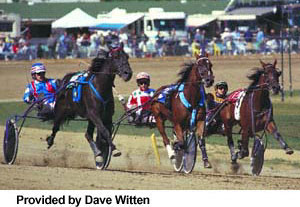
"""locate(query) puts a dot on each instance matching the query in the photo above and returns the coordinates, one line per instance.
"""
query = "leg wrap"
(278, 137)
(203, 149)
(95, 148)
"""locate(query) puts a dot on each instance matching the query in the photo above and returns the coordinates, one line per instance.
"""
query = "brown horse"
(256, 111)
(188, 95)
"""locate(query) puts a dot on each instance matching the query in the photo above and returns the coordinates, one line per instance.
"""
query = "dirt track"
(69, 165)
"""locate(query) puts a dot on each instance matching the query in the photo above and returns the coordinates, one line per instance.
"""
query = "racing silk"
(35, 88)
(139, 98)
(217, 101)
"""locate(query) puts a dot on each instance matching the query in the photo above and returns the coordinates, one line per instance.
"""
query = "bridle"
(203, 68)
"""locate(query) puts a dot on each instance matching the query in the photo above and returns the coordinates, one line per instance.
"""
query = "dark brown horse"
(189, 95)
(97, 101)
(256, 110)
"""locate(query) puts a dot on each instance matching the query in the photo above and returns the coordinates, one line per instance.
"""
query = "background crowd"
(85, 45)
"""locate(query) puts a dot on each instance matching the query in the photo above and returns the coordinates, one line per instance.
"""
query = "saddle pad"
(77, 78)
(236, 98)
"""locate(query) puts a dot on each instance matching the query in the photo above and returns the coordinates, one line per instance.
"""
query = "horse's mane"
(97, 64)
(185, 71)
(255, 76)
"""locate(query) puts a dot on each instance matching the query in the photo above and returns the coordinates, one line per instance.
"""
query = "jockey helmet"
(142, 75)
(221, 84)
(38, 68)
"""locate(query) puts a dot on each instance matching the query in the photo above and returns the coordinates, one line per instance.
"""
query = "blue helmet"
(38, 68)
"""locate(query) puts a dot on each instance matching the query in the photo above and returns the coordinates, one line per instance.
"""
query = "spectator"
(260, 37)
(159, 41)
(51, 43)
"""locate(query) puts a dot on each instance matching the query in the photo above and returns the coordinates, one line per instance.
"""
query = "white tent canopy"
(74, 19)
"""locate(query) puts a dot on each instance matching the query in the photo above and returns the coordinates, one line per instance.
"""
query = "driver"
(139, 98)
(213, 100)
(40, 86)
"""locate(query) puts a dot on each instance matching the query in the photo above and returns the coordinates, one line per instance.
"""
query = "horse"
(97, 101)
(256, 110)
(189, 95)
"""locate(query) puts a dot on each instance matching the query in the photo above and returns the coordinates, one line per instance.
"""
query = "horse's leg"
(55, 129)
(244, 151)
(89, 136)
(101, 130)
(109, 125)
(272, 129)
(230, 143)
(160, 124)
(58, 119)
(157, 111)
(201, 139)
(178, 145)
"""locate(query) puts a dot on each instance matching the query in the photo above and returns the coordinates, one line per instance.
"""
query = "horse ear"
(206, 54)
(197, 56)
(262, 63)
(275, 62)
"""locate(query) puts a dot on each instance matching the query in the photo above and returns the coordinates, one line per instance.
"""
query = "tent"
(199, 20)
(116, 20)
(74, 19)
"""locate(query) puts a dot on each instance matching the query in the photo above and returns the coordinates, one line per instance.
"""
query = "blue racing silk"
(37, 88)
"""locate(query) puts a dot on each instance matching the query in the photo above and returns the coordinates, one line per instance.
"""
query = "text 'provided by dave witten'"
(85, 200)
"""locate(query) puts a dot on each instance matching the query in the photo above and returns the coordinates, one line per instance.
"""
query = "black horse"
(97, 101)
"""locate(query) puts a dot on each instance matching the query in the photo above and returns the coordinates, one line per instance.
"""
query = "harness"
(78, 90)
(185, 102)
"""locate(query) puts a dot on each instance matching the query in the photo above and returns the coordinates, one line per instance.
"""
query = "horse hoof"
(289, 151)
(99, 162)
(242, 154)
(116, 153)
(234, 157)
(207, 164)
(178, 146)
(173, 160)
(49, 142)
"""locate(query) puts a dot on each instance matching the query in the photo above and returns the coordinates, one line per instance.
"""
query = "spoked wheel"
(257, 158)
(10, 142)
(190, 152)
(178, 164)
(106, 150)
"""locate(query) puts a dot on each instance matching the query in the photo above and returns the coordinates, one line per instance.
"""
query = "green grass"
(286, 115)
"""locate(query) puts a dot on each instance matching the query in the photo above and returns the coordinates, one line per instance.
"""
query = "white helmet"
(38, 68)
(142, 75)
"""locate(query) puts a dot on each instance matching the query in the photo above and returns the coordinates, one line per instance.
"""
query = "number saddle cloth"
(236, 98)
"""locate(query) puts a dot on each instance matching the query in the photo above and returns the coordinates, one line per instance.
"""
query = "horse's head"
(271, 76)
(120, 62)
(204, 70)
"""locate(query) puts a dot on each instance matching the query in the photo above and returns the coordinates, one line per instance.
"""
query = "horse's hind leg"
(272, 129)
(55, 129)
(230, 143)
(58, 119)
